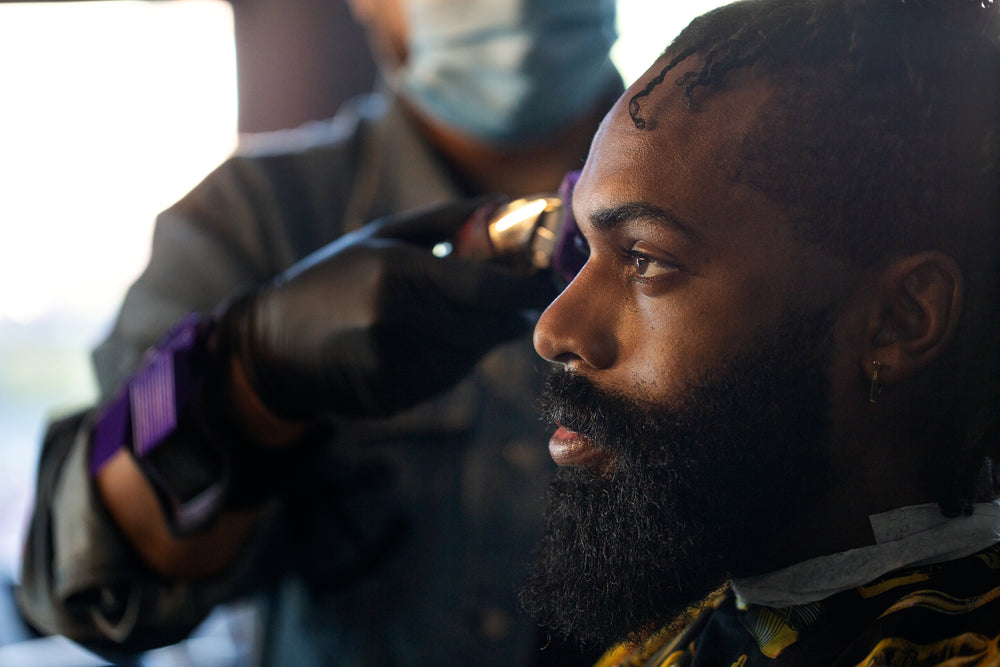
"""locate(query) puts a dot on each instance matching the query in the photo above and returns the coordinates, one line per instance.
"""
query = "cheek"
(668, 344)
(663, 348)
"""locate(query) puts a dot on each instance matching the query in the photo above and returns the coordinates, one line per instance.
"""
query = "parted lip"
(569, 448)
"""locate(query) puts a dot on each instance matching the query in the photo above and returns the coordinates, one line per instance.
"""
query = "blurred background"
(109, 112)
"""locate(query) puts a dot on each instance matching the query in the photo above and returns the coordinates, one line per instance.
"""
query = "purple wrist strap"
(145, 410)
(205, 465)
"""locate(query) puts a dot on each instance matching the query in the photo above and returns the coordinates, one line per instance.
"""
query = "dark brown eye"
(649, 267)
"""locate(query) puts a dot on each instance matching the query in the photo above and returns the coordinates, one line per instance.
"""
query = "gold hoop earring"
(876, 388)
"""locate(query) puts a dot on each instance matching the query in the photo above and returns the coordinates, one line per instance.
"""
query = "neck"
(872, 469)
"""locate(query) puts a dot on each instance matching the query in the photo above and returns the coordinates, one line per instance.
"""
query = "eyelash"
(641, 262)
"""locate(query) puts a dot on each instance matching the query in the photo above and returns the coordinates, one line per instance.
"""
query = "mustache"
(611, 421)
(571, 401)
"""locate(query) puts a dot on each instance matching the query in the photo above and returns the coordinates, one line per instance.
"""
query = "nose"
(575, 329)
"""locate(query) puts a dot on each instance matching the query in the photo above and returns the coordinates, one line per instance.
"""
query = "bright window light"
(646, 27)
(112, 110)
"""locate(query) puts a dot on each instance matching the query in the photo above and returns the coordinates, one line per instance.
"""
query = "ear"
(914, 314)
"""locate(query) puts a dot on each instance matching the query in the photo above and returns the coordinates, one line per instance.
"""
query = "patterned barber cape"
(942, 615)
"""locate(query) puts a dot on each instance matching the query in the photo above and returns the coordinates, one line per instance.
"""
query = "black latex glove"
(374, 323)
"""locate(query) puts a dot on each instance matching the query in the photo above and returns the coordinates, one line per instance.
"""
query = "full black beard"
(699, 492)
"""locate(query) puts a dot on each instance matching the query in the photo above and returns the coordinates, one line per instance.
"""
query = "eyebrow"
(608, 219)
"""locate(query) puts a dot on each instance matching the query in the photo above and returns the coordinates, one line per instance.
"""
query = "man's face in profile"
(696, 344)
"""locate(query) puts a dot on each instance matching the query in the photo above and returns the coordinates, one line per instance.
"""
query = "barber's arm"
(367, 326)
(81, 575)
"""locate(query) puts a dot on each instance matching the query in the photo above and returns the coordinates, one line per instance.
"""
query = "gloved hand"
(374, 322)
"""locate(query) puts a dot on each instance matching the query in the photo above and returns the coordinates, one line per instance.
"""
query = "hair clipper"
(536, 232)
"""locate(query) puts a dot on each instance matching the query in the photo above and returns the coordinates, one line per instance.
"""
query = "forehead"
(685, 157)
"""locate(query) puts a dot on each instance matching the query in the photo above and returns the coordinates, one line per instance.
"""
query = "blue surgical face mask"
(508, 72)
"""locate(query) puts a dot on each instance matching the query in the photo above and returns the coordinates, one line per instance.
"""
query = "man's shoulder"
(939, 615)
(942, 614)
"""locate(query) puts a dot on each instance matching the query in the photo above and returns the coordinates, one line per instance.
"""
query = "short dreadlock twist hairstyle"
(882, 139)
